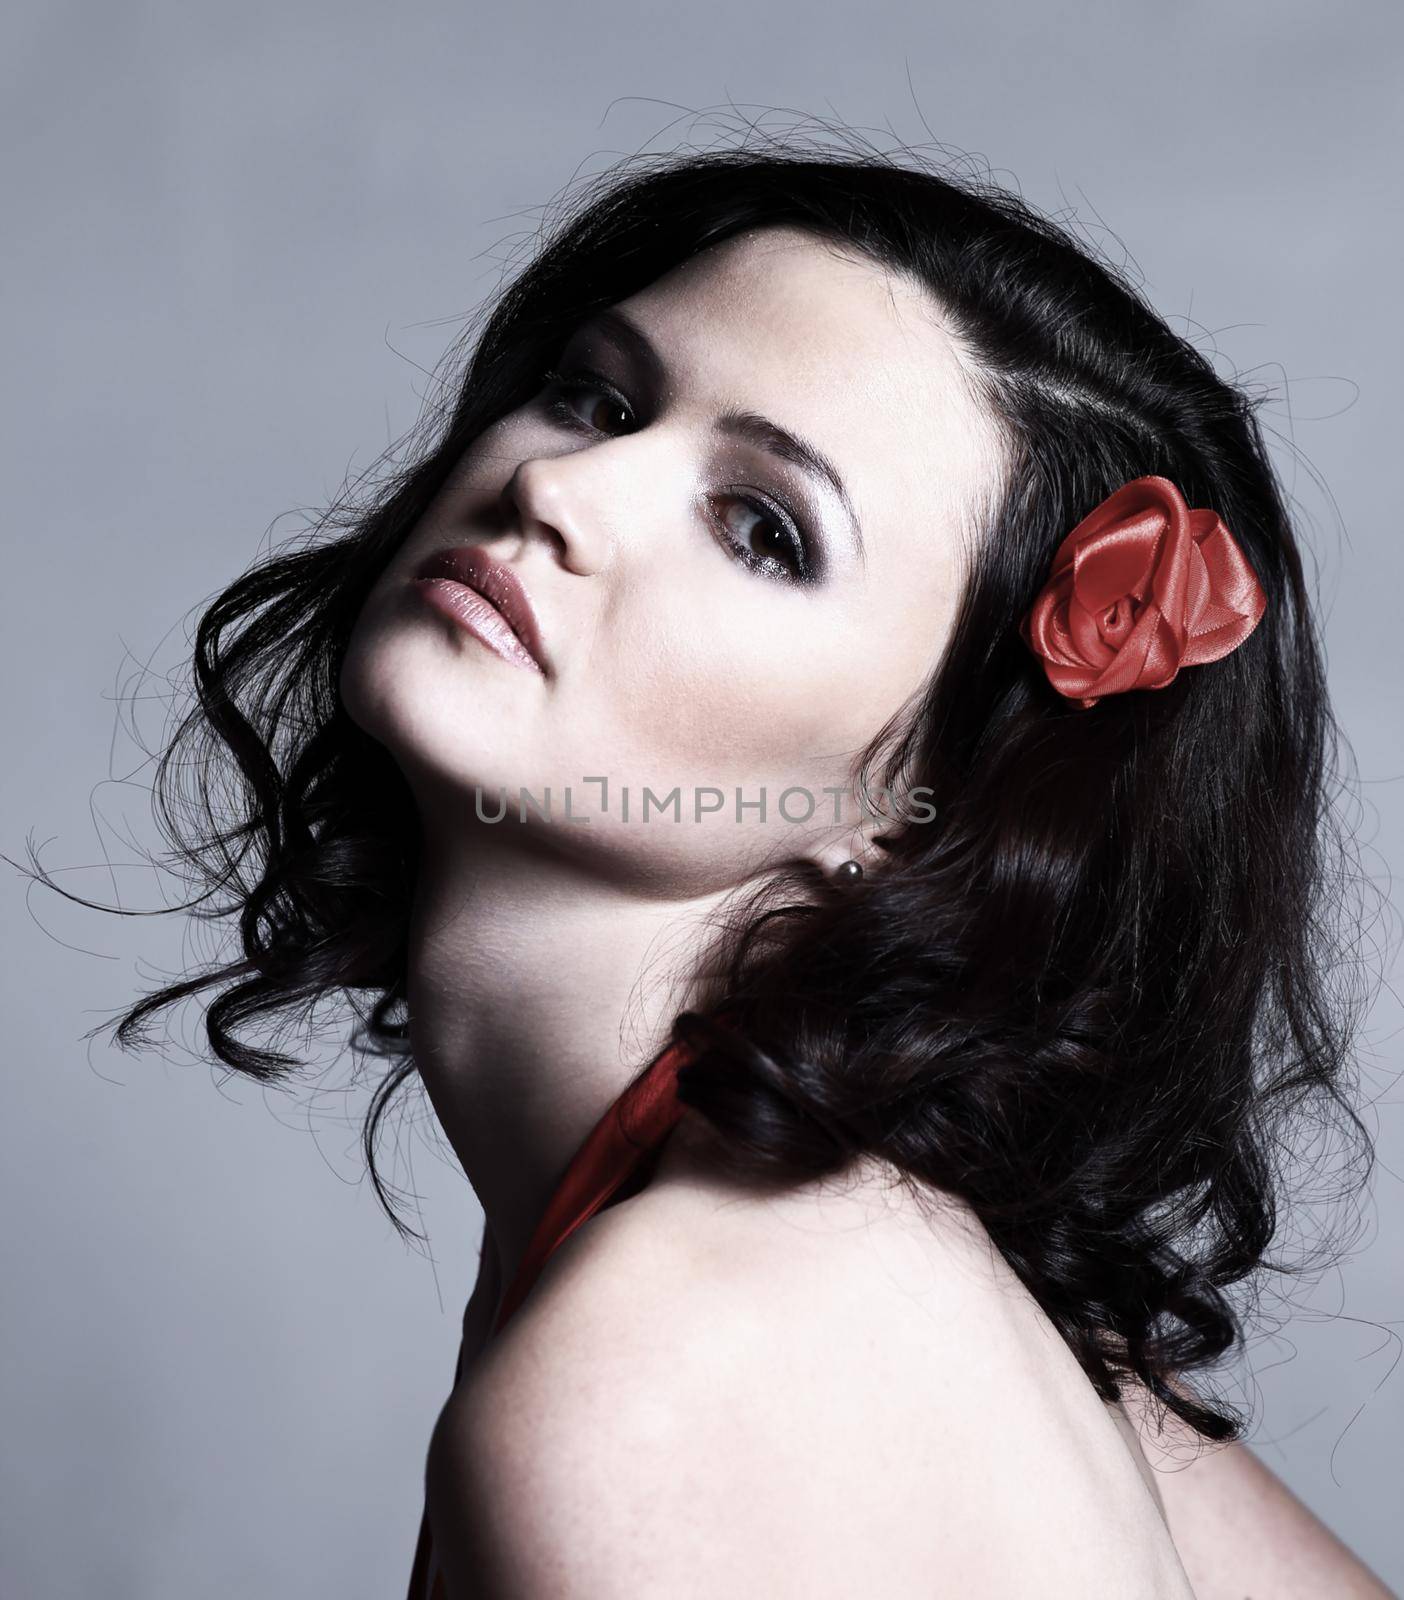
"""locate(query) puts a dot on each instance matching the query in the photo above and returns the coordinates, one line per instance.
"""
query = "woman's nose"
(543, 500)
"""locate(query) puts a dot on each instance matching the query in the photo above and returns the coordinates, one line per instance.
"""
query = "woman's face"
(715, 615)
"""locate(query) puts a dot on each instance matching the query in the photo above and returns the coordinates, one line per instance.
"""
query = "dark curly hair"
(1091, 997)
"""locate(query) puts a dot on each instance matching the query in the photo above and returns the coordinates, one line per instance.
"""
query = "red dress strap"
(631, 1131)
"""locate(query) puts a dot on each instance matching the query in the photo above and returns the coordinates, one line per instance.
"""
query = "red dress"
(615, 1160)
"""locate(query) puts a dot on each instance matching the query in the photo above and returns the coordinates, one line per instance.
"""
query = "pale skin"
(647, 1423)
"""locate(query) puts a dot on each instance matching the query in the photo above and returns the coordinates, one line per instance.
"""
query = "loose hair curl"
(1090, 995)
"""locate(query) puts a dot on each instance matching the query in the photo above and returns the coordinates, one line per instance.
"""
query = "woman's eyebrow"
(749, 426)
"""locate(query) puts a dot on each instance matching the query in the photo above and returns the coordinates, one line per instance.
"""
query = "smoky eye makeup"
(593, 352)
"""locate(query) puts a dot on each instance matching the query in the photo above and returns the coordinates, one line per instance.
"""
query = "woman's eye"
(764, 539)
(585, 398)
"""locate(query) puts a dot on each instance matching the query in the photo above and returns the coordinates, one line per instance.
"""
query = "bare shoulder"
(818, 1392)
(1238, 1527)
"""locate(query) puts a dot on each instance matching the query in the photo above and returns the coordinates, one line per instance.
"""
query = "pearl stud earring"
(848, 872)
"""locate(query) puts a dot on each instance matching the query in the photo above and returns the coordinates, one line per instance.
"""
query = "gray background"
(236, 235)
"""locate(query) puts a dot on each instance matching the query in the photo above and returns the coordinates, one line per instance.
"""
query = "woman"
(821, 767)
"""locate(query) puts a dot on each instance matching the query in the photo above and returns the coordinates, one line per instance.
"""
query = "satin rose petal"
(1114, 562)
(1114, 625)
(1045, 630)
(1144, 654)
(1084, 630)
(1199, 591)
(1236, 591)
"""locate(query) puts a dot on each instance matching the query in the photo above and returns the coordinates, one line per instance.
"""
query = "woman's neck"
(536, 989)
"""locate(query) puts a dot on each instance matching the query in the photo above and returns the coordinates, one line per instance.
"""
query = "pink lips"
(487, 598)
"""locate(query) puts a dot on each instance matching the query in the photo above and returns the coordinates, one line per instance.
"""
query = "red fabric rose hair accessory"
(1141, 587)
